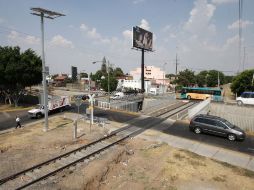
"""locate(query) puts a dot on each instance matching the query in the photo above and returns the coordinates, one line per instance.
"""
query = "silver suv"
(216, 126)
(246, 98)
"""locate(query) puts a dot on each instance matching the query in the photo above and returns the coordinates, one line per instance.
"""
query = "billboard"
(142, 39)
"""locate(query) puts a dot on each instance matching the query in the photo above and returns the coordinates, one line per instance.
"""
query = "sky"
(202, 33)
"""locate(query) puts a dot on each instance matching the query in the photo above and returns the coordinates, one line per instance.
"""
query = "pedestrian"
(18, 122)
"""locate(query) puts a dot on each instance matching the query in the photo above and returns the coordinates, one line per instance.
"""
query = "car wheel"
(239, 103)
(197, 130)
(188, 97)
(231, 137)
(38, 115)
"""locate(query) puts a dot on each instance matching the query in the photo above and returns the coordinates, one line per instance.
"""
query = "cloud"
(144, 24)
(60, 41)
(138, 1)
(127, 34)
(2, 20)
(21, 39)
(166, 28)
(235, 25)
(83, 27)
(172, 35)
(199, 22)
(92, 33)
(218, 2)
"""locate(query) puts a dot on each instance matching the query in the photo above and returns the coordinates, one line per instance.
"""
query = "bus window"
(183, 91)
(217, 93)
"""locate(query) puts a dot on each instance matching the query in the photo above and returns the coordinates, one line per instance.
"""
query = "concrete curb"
(217, 153)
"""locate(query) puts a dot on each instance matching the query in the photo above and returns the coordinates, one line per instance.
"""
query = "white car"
(118, 95)
(246, 98)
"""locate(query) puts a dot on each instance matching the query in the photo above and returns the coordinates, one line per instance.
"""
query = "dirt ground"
(135, 164)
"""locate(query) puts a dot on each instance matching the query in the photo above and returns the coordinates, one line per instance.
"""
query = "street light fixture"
(43, 13)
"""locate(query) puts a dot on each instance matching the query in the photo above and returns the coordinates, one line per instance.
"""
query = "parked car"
(216, 126)
(117, 95)
(246, 98)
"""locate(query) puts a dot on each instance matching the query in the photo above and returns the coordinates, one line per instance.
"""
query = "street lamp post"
(108, 84)
(43, 13)
(108, 64)
(164, 77)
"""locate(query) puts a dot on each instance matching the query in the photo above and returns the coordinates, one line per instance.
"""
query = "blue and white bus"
(201, 93)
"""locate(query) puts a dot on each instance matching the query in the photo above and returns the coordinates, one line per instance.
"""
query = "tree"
(201, 78)
(228, 79)
(83, 75)
(17, 71)
(118, 72)
(112, 83)
(104, 66)
(209, 78)
(186, 78)
(212, 78)
(243, 82)
(170, 75)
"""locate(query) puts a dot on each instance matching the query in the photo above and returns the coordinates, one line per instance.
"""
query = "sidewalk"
(217, 153)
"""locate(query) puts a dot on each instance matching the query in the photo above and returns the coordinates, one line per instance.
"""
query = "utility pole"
(252, 80)
(244, 55)
(43, 13)
(164, 77)
(142, 72)
(176, 66)
(218, 79)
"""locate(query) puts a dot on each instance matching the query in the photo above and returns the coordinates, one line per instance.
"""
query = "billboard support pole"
(142, 72)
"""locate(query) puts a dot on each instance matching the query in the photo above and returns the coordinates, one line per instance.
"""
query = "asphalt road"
(7, 120)
(179, 129)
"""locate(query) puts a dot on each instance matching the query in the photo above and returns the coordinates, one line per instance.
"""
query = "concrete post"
(75, 130)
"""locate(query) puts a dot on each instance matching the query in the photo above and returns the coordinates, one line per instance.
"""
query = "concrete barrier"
(201, 108)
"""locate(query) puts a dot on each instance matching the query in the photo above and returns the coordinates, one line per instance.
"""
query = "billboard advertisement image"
(142, 39)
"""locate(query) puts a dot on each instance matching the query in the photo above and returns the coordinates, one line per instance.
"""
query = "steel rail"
(4, 180)
(72, 163)
(168, 109)
(13, 176)
(179, 110)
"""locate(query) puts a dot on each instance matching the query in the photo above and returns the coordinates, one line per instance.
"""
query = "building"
(60, 79)
(155, 75)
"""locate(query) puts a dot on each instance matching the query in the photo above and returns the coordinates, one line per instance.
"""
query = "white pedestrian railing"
(104, 105)
(202, 108)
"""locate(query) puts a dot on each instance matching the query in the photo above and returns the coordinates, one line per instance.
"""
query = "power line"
(18, 31)
(240, 13)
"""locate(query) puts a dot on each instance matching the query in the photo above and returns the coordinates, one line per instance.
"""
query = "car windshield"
(229, 124)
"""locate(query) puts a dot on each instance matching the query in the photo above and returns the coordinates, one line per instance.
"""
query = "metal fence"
(124, 106)
(242, 117)
(103, 105)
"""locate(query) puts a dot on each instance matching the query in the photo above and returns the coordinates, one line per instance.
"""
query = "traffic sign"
(78, 101)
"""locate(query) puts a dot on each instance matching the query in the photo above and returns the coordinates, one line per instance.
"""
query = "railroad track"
(69, 160)
(172, 110)
(86, 153)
